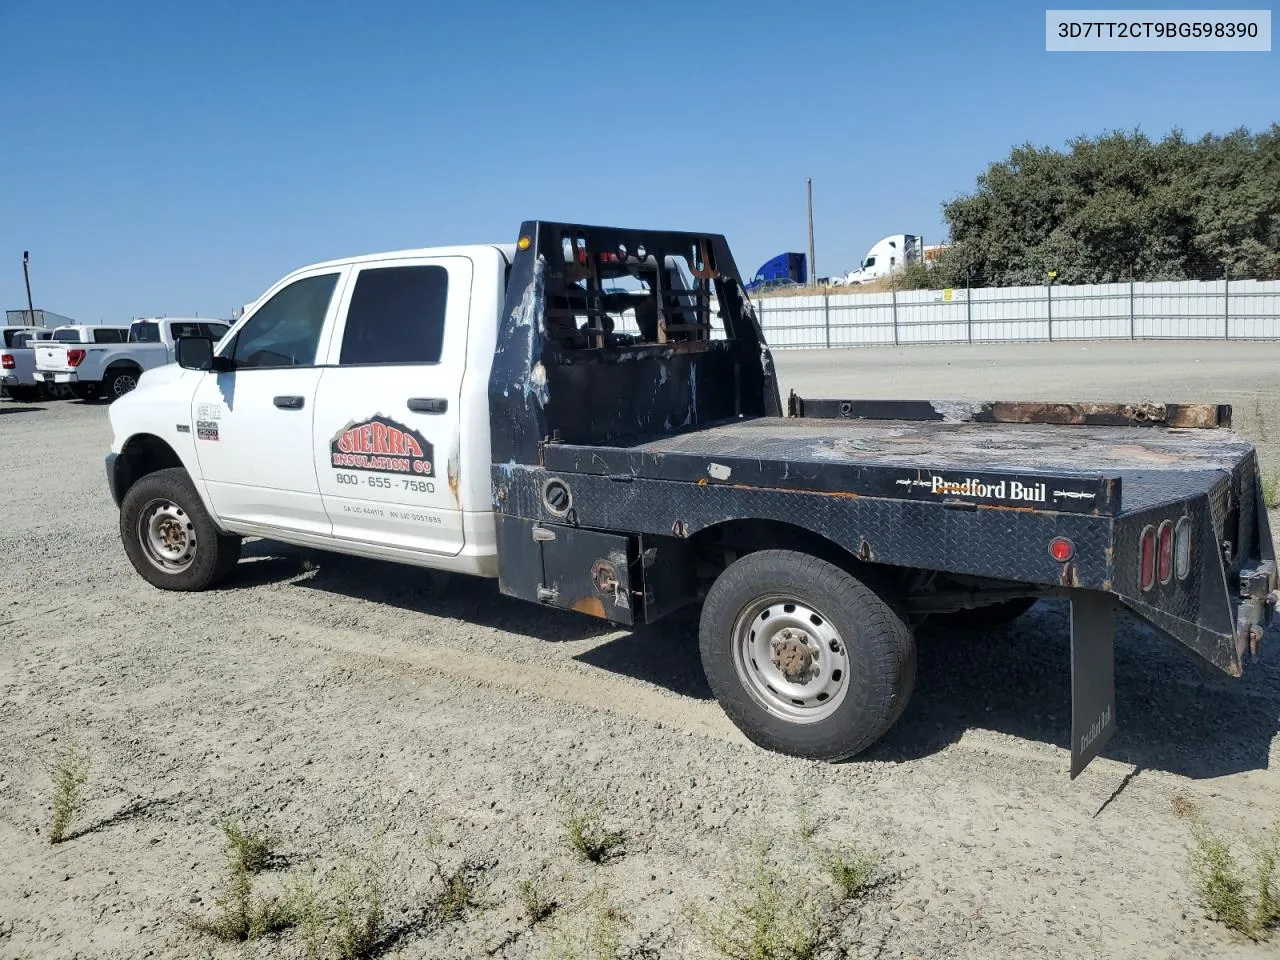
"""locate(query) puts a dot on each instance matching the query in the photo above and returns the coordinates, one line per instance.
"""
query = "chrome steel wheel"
(791, 659)
(167, 536)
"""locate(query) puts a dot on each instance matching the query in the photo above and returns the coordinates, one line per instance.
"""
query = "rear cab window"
(396, 316)
(144, 331)
(108, 336)
(66, 336)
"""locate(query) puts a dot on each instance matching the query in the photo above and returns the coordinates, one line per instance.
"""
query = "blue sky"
(178, 158)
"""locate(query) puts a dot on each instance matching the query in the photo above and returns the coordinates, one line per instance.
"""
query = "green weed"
(1243, 899)
(69, 771)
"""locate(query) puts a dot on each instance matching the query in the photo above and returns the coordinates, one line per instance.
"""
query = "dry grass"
(1271, 491)
(1245, 899)
(1184, 808)
(598, 938)
(358, 916)
(69, 772)
(461, 892)
(855, 872)
(253, 850)
(242, 914)
(538, 904)
(588, 837)
(770, 917)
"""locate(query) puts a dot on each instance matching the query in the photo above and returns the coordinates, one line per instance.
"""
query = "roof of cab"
(508, 250)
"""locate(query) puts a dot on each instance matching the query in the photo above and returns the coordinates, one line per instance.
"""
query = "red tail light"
(7, 361)
(75, 357)
(1164, 551)
(1061, 549)
(1147, 558)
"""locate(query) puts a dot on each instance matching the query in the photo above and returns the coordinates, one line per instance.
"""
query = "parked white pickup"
(18, 362)
(91, 369)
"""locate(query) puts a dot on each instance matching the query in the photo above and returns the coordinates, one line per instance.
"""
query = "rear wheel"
(984, 618)
(169, 536)
(120, 381)
(803, 657)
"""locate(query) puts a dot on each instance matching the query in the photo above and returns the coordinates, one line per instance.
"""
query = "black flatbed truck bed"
(635, 474)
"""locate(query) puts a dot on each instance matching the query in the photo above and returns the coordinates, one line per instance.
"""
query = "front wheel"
(803, 657)
(169, 536)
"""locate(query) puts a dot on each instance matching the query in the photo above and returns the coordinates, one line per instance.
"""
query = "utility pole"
(26, 275)
(813, 269)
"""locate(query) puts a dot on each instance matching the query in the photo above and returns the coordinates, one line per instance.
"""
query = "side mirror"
(194, 353)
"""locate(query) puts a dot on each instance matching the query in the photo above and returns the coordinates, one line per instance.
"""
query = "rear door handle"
(428, 404)
(288, 403)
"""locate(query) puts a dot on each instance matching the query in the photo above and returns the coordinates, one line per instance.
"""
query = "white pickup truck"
(113, 366)
(18, 364)
(486, 410)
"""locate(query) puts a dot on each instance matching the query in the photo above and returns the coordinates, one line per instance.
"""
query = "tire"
(856, 654)
(165, 506)
(55, 391)
(85, 391)
(120, 381)
(984, 618)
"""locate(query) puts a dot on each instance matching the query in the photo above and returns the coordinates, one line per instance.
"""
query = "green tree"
(1119, 203)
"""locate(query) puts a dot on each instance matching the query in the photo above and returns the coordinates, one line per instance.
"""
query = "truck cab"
(886, 257)
(346, 407)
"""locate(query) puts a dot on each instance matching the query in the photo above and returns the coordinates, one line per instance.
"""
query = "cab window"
(285, 331)
(184, 331)
(214, 331)
(144, 332)
(66, 336)
(396, 316)
(108, 336)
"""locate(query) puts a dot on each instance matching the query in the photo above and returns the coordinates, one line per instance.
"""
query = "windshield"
(67, 336)
(144, 332)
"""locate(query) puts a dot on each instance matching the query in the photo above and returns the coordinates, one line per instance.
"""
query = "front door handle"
(428, 404)
(288, 403)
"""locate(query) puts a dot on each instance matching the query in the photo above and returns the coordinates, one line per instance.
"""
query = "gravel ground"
(381, 730)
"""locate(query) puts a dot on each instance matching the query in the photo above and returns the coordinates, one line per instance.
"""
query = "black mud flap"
(1093, 679)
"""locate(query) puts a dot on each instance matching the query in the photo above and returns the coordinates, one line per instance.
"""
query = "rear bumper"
(47, 376)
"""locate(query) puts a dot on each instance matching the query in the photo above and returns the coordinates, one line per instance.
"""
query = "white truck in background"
(886, 256)
(113, 368)
(18, 364)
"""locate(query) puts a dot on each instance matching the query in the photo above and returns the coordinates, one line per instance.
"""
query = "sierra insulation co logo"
(382, 445)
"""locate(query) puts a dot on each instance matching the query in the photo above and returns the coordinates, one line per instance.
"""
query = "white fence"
(1194, 309)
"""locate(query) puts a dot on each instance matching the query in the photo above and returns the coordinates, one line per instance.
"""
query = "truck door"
(387, 409)
(253, 424)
